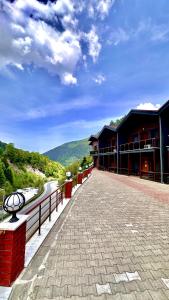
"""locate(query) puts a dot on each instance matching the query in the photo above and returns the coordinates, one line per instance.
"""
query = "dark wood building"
(93, 142)
(138, 146)
(107, 141)
(164, 127)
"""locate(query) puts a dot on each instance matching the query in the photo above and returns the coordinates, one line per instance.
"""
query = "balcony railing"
(140, 145)
(111, 149)
(94, 152)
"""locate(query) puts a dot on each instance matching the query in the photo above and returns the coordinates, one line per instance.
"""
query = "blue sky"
(68, 67)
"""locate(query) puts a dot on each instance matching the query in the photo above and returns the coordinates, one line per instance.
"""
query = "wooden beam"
(161, 151)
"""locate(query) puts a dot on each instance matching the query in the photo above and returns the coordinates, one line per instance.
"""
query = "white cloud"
(91, 11)
(118, 36)
(103, 7)
(35, 42)
(28, 36)
(146, 29)
(99, 79)
(148, 106)
(68, 78)
(94, 44)
(100, 8)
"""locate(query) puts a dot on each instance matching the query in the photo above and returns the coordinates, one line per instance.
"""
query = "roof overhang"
(107, 128)
(164, 107)
(137, 112)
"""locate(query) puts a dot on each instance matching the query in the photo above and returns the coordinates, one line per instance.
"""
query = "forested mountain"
(19, 168)
(69, 152)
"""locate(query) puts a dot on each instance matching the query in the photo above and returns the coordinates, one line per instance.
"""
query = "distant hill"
(19, 169)
(69, 152)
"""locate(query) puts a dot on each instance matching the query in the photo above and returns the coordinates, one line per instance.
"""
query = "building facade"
(138, 146)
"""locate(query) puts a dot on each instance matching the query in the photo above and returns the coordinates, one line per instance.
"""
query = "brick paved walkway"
(111, 243)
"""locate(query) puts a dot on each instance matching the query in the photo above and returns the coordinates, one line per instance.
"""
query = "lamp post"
(13, 240)
(68, 175)
(68, 185)
(80, 176)
(14, 203)
(80, 169)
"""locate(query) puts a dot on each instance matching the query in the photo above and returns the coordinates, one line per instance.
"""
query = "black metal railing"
(43, 210)
(139, 145)
(110, 149)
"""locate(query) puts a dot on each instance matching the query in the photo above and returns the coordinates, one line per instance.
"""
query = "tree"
(116, 122)
(9, 175)
(10, 152)
(2, 175)
(84, 162)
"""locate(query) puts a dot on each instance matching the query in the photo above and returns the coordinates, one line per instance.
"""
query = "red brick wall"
(12, 254)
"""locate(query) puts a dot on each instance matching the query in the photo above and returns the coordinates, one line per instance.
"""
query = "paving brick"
(74, 290)
(79, 280)
(158, 295)
(109, 231)
(143, 295)
(89, 290)
(130, 296)
(59, 291)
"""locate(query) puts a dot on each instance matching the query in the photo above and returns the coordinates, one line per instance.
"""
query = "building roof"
(132, 112)
(93, 137)
(163, 107)
(139, 112)
(106, 127)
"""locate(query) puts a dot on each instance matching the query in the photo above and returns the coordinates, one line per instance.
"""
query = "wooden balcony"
(94, 152)
(108, 150)
(140, 146)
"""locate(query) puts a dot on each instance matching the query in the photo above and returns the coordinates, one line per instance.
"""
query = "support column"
(140, 165)
(12, 250)
(117, 155)
(128, 164)
(161, 151)
(79, 178)
(154, 164)
(68, 188)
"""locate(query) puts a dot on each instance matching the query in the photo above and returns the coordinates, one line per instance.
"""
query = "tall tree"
(116, 122)
(2, 175)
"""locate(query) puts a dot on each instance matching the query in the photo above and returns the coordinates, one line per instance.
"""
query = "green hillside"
(69, 152)
(19, 169)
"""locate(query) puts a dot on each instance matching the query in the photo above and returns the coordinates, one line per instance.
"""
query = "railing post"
(62, 197)
(57, 201)
(80, 177)
(50, 204)
(68, 188)
(39, 228)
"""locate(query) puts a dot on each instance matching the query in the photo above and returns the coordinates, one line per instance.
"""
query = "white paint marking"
(129, 225)
(120, 277)
(133, 276)
(134, 231)
(42, 266)
(166, 282)
(103, 289)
